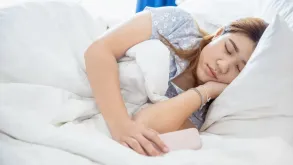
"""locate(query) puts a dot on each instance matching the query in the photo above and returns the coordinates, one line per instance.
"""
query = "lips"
(213, 74)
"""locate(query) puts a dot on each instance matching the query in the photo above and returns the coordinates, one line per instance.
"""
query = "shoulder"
(173, 23)
(174, 13)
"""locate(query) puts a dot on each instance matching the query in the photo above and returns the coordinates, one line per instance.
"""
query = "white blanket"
(27, 112)
(48, 115)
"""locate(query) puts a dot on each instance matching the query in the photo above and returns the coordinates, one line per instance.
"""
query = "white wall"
(4, 3)
(115, 8)
(112, 9)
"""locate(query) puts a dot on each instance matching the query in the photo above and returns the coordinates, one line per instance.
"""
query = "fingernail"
(166, 149)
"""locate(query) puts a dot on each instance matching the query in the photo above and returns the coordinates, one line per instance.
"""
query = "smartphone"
(182, 139)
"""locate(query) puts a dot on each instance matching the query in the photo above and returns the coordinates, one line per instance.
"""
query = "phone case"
(182, 139)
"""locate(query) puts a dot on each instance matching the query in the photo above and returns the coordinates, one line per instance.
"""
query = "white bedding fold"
(27, 117)
(48, 115)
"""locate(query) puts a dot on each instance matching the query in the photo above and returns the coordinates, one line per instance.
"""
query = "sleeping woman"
(201, 67)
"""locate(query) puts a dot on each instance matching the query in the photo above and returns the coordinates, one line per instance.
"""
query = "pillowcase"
(258, 103)
(211, 14)
(44, 43)
(282, 7)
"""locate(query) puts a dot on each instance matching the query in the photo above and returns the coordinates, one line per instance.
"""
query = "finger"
(153, 137)
(125, 144)
(134, 144)
(154, 131)
(147, 146)
(157, 133)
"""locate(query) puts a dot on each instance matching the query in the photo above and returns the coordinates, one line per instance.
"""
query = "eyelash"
(231, 54)
(227, 49)
(238, 68)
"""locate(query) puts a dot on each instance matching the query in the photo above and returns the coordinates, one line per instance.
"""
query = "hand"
(213, 89)
(139, 138)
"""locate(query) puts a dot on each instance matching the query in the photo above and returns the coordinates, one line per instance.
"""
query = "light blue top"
(180, 29)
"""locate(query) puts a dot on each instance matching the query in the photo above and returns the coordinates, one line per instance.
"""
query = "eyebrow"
(234, 45)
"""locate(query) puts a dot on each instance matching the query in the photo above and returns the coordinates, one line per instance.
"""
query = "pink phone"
(182, 139)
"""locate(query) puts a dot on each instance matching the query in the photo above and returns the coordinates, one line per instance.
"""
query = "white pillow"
(212, 14)
(44, 43)
(258, 103)
(282, 7)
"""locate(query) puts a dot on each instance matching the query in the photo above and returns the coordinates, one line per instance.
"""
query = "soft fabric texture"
(48, 40)
(212, 14)
(50, 49)
(258, 103)
(49, 117)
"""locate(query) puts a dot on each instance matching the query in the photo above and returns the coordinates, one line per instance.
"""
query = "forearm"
(102, 70)
(170, 115)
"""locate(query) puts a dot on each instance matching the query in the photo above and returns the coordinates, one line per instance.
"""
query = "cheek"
(203, 59)
(206, 57)
(200, 70)
(199, 74)
(209, 53)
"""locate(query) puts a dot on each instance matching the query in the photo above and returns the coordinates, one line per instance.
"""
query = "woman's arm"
(171, 115)
(102, 69)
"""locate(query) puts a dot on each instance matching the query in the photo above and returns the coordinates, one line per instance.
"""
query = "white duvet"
(29, 135)
(48, 115)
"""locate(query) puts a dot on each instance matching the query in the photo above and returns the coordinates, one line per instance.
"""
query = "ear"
(218, 32)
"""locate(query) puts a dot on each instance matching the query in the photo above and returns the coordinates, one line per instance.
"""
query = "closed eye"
(227, 49)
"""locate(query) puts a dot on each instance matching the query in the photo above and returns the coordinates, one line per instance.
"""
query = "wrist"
(204, 91)
(117, 121)
(201, 94)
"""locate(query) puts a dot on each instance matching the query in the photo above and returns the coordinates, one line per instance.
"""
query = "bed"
(48, 115)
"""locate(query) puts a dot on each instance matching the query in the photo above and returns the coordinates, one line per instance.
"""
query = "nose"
(224, 66)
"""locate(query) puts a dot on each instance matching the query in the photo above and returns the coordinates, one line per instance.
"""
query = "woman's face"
(224, 57)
